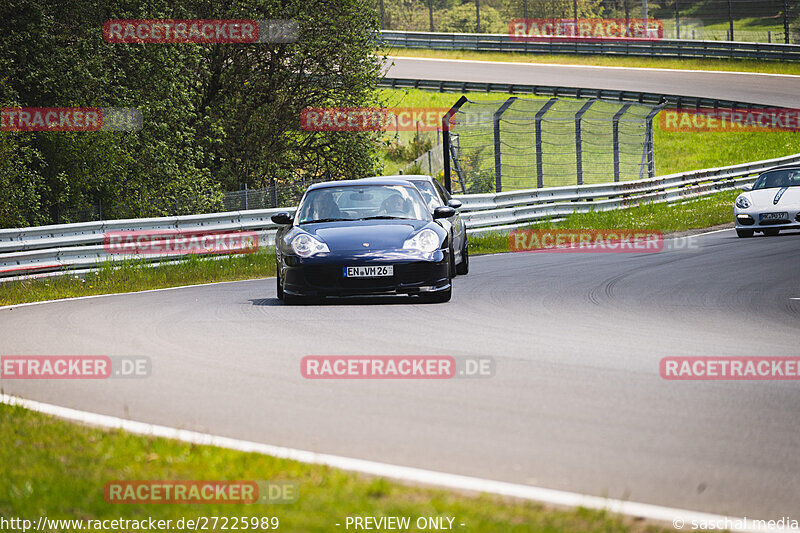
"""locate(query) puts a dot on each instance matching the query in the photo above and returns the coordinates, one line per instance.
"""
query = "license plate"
(368, 272)
(773, 216)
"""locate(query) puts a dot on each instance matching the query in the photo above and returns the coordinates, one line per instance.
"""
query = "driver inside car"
(394, 205)
(324, 206)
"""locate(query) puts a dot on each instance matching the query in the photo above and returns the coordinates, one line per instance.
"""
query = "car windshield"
(428, 193)
(778, 178)
(363, 202)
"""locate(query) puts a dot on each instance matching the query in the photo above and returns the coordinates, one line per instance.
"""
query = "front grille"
(404, 274)
(774, 222)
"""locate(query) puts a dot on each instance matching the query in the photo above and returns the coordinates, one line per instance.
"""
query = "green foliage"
(463, 19)
(397, 151)
(215, 116)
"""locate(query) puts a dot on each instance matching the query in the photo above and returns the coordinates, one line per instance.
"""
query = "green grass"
(139, 276)
(57, 469)
(734, 65)
(703, 212)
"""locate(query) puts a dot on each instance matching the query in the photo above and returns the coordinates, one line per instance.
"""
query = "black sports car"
(356, 237)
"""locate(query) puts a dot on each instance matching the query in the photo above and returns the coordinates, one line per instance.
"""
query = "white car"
(772, 204)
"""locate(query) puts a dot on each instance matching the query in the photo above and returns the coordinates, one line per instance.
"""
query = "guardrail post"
(538, 125)
(498, 176)
(615, 135)
(579, 141)
(446, 140)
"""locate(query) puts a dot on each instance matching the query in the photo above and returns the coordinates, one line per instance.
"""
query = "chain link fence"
(524, 143)
(776, 21)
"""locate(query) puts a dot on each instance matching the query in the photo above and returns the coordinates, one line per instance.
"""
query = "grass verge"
(58, 469)
(133, 276)
(728, 65)
(702, 212)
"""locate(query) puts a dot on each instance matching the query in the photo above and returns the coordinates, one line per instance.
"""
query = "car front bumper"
(750, 218)
(414, 273)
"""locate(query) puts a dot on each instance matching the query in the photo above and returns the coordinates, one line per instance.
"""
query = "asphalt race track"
(577, 402)
(769, 89)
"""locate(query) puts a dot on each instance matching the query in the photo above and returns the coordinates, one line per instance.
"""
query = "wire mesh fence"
(776, 21)
(524, 143)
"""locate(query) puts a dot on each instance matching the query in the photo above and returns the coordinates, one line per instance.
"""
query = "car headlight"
(425, 241)
(742, 202)
(305, 245)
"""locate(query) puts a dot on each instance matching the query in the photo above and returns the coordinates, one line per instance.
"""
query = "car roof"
(355, 183)
(407, 177)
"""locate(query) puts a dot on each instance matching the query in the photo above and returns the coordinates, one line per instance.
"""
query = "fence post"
(273, 193)
(478, 14)
(538, 125)
(382, 14)
(579, 141)
(677, 21)
(649, 147)
(430, 13)
(786, 20)
(446, 140)
(615, 135)
(498, 177)
(730, 17)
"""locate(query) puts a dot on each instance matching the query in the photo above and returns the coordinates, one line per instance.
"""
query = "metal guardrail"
(72, 246)
(552, 91)
(499, 42)
(513, 209)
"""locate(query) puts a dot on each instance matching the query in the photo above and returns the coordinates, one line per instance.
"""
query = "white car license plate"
(368, 272)
(773, 216)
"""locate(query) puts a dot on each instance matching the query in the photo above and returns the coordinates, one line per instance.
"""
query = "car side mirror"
(455, 204)
(747, 188)
(443, 212)
(284, 219)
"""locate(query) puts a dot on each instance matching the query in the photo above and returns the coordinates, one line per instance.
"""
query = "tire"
(463, 267)
(771, 232)
(744, 233)
(279, 288)
(439, 297)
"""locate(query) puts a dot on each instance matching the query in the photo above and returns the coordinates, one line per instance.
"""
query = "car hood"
(377, 234)
(766, 197)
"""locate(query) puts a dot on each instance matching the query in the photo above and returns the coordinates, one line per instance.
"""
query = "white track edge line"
(11, 306)
(404, 473)
(565, 65)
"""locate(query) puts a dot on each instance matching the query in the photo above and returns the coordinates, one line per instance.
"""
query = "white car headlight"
(305, 245)
(742, 202)
(425, 241)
